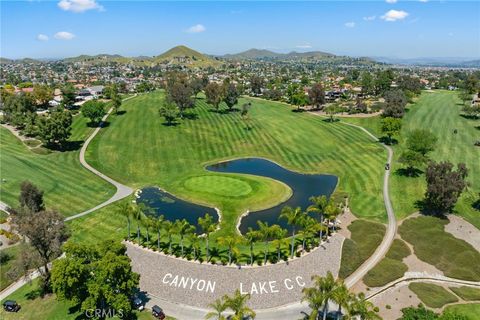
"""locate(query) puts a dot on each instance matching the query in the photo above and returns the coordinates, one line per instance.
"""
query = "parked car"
(138, 304)
(387, 166)
(11, 306)
(157, 312)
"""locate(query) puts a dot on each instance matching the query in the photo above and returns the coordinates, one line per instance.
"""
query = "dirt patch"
(462, 229)
(397, 298)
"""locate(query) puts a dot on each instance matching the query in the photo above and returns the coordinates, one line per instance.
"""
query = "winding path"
(122, 190)
(289, 311)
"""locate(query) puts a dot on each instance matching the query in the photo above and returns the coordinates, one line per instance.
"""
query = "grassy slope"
(68, 187)
(467, 293)
(432, 295)
(435, 246)
(138, 150)
(440, 113)
(366, 236)
(389, 268)
(470, 310)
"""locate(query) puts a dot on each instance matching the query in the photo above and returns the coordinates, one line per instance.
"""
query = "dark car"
(137, 303)
(158, 312)
(11, 306)
(387, 166)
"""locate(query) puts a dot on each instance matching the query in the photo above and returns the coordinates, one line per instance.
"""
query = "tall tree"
(231, 243)
(395, 102)
(251, 236)
(116, 98)
(256, 84)
(197, 85)
(316, 95)
(231, 95)
(68, 95)
(99, 278)
(390, 126)
(238, 304)
(125, 209)
(169, 111)
(55, 130)
(293, 217)
(179, 91)
(93, 110)
(208, 226)
(265, 232)
(422, 141)
(45, 231)
(31, 197)
(183, 228)
(214, 94)
(318, 206)
(444, 185)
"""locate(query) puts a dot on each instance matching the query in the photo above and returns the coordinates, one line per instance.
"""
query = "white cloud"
(394, 15)
(391, 1)
(450, 34)
(196, 28)
(350, 24)
(42, 37)
(369, 18)
(304, 46)
(64, 35)
(79, 5)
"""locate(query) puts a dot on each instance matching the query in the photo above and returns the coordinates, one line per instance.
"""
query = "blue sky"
(62, 28)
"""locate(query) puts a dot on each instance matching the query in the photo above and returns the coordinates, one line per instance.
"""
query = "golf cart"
(157, 312)
(11, 306)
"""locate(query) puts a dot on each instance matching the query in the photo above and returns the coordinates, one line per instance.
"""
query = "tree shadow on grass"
(190, 115)
(331, 120)
(426, 210)
(299, 110)
(477, 127)
(476, 205)
(406, 172)
(103, 124)
(469, 117)
(34, 294)
(67, 146)
(120, 112)
(170, 124)
(388, 141)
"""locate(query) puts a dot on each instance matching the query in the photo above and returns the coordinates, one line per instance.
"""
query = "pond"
(303, 187)
(172, 208)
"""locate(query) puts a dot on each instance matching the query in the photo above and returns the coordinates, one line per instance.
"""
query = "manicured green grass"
(432, 295)
(35, 307)
(434, 245)
(470, 310)
(13, 253)
(68, 187)
(138, 150)
(467, 293)
(439, 112)
(389, 268)
(366, 237)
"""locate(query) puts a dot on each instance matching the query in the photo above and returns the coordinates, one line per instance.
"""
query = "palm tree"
(238, 305)
(194, 244)
(182, 227)
(208, 226)
(230, 242)
(363, 309)
(327, 286)
(219, 307)
(309, 225)
(265, 232)
(159, 225)
(149, 221)
(342, 297)
(169, 228)
(125, 209)
(137, 214)
(279, 234)
(293, 217)
(250, 237)
(318, 207)
(314, 299)
(332, 211)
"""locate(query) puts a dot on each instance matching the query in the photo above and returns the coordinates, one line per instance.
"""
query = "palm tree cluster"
(326, 290)
(237, 304)
(306, 229)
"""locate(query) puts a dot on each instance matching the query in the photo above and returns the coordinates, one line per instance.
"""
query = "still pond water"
(303, 186)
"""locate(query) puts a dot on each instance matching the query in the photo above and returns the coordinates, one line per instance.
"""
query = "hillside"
(259, 54)
(182, 55)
